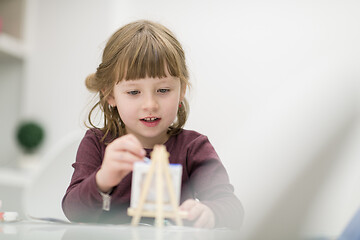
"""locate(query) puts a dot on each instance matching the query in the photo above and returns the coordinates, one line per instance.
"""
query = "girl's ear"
(110, 99)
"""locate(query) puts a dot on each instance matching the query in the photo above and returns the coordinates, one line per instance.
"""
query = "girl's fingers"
(188, 204)
(195, 212)
(127, 157)
(119, 159)
(192, 207)
(122, 166)
(128, 143)
(205, 220)
(201, 213)
(106, 181)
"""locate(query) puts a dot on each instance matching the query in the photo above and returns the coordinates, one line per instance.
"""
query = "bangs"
(150, 54)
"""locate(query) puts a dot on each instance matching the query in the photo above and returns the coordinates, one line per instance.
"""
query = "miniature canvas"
(138, 178)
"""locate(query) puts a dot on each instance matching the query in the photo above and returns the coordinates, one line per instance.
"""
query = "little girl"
(141, 83)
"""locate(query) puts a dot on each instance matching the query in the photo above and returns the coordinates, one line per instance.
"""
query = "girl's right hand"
(120, 156)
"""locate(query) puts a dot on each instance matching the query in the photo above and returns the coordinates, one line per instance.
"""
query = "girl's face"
(148, 106)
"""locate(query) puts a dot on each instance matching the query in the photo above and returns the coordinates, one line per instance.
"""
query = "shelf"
(12, 18)
(13, 60)
(11, 48)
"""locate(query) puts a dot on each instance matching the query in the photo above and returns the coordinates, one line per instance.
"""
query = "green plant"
(30, 136)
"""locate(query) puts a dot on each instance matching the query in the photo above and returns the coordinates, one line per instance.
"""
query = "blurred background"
(276, 88)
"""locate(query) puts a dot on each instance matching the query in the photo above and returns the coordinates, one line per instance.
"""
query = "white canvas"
(138, 178)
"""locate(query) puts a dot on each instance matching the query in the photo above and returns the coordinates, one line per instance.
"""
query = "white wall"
(275, 87)
(67, 39)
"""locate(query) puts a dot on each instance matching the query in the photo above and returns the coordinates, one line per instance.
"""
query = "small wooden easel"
(160, 167)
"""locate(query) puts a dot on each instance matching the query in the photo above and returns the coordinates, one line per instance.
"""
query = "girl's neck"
(149, 143)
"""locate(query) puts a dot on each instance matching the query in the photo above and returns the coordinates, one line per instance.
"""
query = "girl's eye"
(163, 90)
(134, 92)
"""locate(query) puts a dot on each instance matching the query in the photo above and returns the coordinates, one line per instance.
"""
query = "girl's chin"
(159, 138)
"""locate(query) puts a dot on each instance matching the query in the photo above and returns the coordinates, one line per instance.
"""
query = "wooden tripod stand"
(160, 168)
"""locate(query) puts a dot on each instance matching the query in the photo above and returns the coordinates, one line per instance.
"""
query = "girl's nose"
(150, 103)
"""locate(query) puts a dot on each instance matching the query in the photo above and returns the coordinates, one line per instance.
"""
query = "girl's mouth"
(150, 121)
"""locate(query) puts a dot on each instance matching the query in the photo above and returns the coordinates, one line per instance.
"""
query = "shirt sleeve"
(210, 183)
(82, 201)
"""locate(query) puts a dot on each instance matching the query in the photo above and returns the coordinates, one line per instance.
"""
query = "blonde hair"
(137, 50)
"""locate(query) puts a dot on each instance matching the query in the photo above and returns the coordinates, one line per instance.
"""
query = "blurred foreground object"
(352, 230)
(29, 136)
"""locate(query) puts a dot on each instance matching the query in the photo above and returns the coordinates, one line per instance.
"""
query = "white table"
(52, 231)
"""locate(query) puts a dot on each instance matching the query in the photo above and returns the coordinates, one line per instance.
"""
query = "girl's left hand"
(200, 213)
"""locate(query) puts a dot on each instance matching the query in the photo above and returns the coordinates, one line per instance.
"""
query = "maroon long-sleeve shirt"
(204, 177)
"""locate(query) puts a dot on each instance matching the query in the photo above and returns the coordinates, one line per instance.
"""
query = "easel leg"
(136, 218)
(159, 219)
(173, 201)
